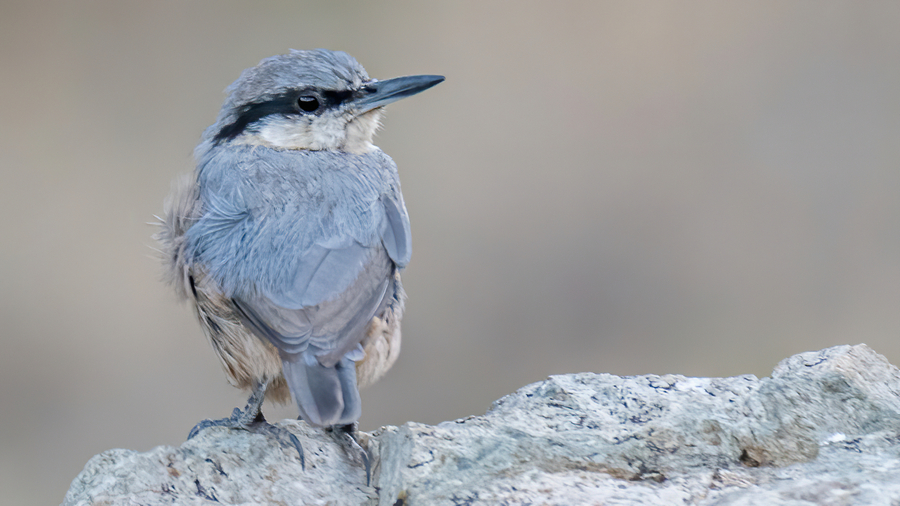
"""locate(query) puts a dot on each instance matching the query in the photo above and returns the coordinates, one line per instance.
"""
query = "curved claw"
(365, 458)
(282, 435)
(299, 448)
(348, 434)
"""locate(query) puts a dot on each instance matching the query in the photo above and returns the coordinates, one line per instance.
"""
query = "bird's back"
(265, 211)
(296, 239)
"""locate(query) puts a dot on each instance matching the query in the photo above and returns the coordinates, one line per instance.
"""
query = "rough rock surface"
(824, 429)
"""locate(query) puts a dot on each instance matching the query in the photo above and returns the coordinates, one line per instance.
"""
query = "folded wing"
(318, 332)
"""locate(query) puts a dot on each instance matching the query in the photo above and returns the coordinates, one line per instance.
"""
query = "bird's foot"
(238, 420)
(348, 437)
(257, 425)
(251, 419)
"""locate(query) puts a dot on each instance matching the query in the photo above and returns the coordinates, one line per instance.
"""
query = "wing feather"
(396, 235)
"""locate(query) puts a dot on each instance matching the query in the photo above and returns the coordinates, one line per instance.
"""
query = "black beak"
(379, 93)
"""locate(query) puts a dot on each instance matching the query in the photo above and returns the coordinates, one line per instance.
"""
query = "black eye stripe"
(336, 97)
(286, 103)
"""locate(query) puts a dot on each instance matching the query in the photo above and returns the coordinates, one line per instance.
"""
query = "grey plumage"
(290, 235)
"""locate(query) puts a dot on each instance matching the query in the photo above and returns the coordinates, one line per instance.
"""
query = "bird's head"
(316, 100)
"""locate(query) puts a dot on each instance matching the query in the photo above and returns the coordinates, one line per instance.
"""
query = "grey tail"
(326, 396)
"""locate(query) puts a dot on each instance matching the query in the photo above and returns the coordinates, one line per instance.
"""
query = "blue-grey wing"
(319, 344)
(332, 288)
(328, 326)
(396, 236)
(323, 274)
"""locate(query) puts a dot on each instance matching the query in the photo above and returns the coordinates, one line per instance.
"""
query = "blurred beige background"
(701, 188)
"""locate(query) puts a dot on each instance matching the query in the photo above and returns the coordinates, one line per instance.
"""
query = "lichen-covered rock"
(228, 467)
(832, 416)
(824, 429)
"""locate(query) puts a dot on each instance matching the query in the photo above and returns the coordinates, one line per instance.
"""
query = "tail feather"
(325, 396)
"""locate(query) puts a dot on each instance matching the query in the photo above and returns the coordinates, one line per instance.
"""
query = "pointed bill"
(380, 93)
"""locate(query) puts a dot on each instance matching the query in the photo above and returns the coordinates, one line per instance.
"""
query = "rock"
(824, 429)
(228, 467)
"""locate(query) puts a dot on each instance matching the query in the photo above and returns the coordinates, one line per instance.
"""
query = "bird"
(289, 237)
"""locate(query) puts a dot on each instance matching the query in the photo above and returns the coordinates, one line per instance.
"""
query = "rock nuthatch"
(290, 235)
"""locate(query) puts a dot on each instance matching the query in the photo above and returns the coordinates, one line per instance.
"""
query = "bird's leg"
(348, 437)
(251, 419)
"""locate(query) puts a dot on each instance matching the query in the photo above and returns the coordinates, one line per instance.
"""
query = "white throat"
(351, 134)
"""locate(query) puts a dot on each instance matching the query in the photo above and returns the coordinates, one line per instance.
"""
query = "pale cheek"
(285, 136)
(321, 134)
(327, 135)
(360, 132)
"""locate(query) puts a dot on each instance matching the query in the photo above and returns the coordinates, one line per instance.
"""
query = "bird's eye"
(308, 103)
